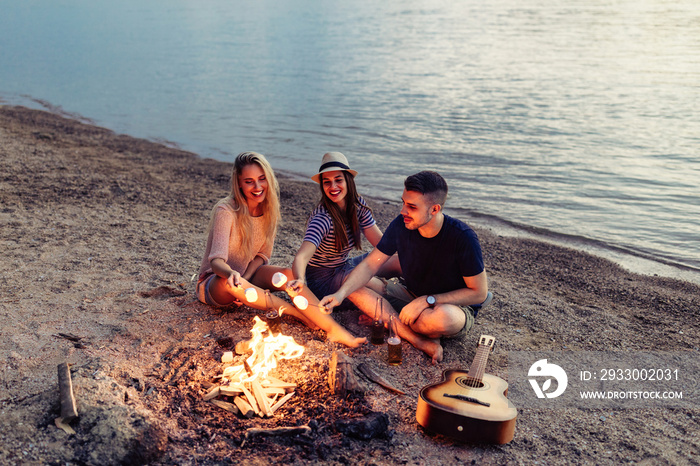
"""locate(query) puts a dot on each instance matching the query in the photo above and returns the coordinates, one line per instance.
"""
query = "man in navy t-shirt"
(441, 264)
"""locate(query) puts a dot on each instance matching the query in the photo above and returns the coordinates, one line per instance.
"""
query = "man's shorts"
(398, 296)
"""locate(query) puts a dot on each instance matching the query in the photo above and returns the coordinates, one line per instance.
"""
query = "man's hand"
(412, 311)
(329, 302)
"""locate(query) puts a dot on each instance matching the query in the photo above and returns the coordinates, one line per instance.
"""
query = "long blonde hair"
(237, 202)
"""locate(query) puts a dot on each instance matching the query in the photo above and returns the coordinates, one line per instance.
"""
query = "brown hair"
(340, 218)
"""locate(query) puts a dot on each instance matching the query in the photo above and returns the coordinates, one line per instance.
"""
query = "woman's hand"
(234, 279)
(328, 303)
(295, 287)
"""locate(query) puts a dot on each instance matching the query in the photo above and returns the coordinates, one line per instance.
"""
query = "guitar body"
(473, 411)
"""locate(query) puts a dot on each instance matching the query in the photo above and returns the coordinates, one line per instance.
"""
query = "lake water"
(576, 121)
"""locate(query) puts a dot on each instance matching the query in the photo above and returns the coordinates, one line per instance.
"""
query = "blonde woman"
(240, 238)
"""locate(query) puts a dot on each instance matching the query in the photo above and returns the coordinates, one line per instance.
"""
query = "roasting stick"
(279, 279)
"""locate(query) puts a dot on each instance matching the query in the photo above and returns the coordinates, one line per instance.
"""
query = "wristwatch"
(431, 300)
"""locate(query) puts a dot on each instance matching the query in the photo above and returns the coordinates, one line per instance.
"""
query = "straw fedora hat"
(333, 161)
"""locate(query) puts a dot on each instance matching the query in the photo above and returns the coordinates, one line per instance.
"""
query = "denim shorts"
(204, 294)
(323, 281)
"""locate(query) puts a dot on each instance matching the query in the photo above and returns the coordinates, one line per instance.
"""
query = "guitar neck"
(478, 367)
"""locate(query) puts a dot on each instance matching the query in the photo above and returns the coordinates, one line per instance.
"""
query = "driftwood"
(213, 393)
(341, 378)
(230, 407)
(257, 432)
(367, 371)
(69, 410)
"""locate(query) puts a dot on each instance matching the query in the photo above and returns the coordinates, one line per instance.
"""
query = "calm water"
(574, 119)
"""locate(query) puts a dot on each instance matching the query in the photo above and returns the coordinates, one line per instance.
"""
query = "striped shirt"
(320, 233)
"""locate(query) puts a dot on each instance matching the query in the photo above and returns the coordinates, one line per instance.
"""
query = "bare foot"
(346, 338)
(431, 347)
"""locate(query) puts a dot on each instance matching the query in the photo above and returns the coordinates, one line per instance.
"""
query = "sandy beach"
(101, 236)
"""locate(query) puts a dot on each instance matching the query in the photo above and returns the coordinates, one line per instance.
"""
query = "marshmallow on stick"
(279, 279)
(251, 295)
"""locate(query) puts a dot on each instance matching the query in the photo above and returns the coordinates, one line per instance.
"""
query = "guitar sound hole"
(468, 382)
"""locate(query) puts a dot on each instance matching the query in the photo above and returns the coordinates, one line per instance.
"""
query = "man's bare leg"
(366, 299)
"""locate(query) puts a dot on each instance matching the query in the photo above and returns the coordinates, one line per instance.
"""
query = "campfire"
(248, 383)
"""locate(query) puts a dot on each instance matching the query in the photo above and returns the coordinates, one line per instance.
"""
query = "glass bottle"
(393, 344)
(377, 333)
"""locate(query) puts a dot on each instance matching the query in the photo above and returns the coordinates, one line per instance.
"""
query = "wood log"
(261, 398)
(282, 401)
(213, 393)
(277, 383)
(225, 405)
(244, 407)
(271, 391)
(69, 410)
(231, 390)
(341, 377)
(256, 432)
(251, 401)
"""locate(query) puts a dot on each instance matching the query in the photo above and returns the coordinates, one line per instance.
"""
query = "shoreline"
(632, 260)
(104, 232)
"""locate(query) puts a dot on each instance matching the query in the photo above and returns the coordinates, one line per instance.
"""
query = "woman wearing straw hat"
(240, 237)
(335, 227)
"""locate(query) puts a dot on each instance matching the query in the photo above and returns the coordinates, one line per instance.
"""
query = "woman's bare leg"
(312, 316)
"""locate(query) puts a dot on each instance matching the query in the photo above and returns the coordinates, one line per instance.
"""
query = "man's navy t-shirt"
(434, 265)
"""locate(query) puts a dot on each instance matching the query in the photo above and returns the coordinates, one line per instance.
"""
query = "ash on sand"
(101, 235)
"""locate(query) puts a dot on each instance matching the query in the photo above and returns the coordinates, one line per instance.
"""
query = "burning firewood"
(231, 390)
(261, 398)
(251, 401)
(254, 391)
(272, 382)
(284, 399)
(274, 391)
(244, 407)
(340, 375)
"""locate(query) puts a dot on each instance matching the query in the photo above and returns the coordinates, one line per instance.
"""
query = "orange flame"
(267, 350)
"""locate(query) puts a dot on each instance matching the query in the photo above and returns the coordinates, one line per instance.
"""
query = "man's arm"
(474, 293)
(358, 278)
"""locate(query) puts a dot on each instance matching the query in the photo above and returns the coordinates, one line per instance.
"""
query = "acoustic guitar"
(469, 406)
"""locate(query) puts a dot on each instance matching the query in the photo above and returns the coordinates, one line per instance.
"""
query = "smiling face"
(335, 187)
(416, 209)
(253, 184)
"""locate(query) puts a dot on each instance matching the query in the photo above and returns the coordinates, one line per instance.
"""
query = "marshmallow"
(251, 295)
(301, 302)
(279, 279)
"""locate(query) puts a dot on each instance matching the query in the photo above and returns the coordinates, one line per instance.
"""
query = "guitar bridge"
(466, 398)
